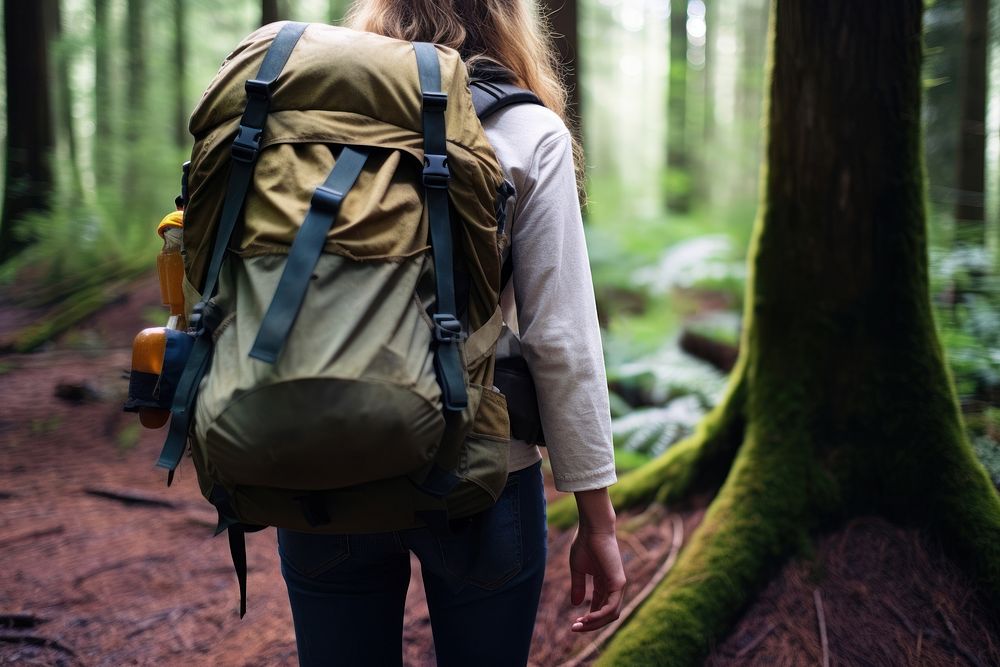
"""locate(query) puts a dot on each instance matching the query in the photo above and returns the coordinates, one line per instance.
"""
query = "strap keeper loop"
(259, 90)
(435, 101)
(326, 199)
(447, 328)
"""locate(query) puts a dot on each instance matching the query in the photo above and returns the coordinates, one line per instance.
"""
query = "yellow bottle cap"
(173, 220)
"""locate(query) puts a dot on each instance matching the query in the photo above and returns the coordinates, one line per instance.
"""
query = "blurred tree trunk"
(136, 106)
(271, 11)
(63, 94)
(104, 115)
(564, 18)
(678, 177)
(711, 16)
(749, 95)
(841, 403)
(28, 173)
(181, 110)
(970, 180)
(337, 10)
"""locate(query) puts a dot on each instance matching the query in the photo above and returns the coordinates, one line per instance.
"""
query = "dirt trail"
(103, 565)
(106, 566)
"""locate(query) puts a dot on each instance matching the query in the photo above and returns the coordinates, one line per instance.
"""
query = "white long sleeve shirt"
(550, 303)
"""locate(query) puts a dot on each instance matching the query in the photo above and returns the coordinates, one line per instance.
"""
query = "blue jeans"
(482, 581)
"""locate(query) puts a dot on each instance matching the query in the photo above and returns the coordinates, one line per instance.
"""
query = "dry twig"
(821, 617)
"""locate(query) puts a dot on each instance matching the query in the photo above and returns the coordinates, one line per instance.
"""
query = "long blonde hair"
(508, 33)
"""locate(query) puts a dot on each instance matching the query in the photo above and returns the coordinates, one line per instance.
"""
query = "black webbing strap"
(489, 97)
(236, 532)
(447, 328)
(246, 148)
(238, 551)
(305, 252)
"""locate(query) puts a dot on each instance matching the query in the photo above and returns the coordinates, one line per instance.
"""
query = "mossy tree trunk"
(271, 11)
(30, 135)
(104, 132)
(678, 178)
(970, 180)
(181, 109)
(136, 122)
(63, 51)
(841, 403)
(336, 11)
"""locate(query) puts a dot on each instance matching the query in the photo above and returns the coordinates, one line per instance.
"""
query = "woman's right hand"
(595, 553)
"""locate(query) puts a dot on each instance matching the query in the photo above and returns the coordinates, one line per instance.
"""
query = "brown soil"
(103, 565)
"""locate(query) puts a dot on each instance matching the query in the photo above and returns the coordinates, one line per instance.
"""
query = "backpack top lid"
(344, 87)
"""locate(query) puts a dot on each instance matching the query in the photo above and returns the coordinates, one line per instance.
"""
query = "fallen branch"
(37, 640)
(821, 617)
(677, 540)
(130, 497)
(955, 641)
(720, 355)
(756, 641)
(20, 621)
(34, 534)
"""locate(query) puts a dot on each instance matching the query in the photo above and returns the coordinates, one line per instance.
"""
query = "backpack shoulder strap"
(489, 97)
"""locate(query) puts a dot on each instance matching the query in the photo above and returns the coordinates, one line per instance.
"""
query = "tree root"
(750, 529)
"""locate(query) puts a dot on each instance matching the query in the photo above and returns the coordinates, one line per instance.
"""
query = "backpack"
(342, 261)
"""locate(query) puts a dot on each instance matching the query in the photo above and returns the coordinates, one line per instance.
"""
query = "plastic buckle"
(436, 172)
(326, 200)
(246, 145)
(435, 101)
(447, 329)
(257, 89)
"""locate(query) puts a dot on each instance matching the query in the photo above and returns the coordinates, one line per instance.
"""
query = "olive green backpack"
(342, 264)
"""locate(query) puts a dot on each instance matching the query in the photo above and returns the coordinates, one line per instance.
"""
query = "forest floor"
(103, 565)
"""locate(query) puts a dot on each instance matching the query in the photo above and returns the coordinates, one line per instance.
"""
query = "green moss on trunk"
(848, 404)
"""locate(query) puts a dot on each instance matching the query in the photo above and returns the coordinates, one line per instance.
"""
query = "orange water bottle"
(149, 346)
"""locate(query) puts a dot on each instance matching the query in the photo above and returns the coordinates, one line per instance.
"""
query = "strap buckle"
(447, 328)
(246, 145)
(435, 101)
(436, 172)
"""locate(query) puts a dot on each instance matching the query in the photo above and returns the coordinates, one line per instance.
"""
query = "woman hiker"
(483, 582)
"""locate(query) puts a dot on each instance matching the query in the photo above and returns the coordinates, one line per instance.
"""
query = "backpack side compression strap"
(305, 252)
(246, 147)
(447, 327)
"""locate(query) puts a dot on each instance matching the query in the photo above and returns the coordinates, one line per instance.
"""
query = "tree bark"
(181, 110)
(136, 103)
(28, 177)
(841, 403)
(63, 94)
(678, 183)
(104, 171)
(564, 20)
(271, 11)
(970, 180)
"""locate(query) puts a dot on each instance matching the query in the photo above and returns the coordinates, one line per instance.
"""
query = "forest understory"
(105, 566)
